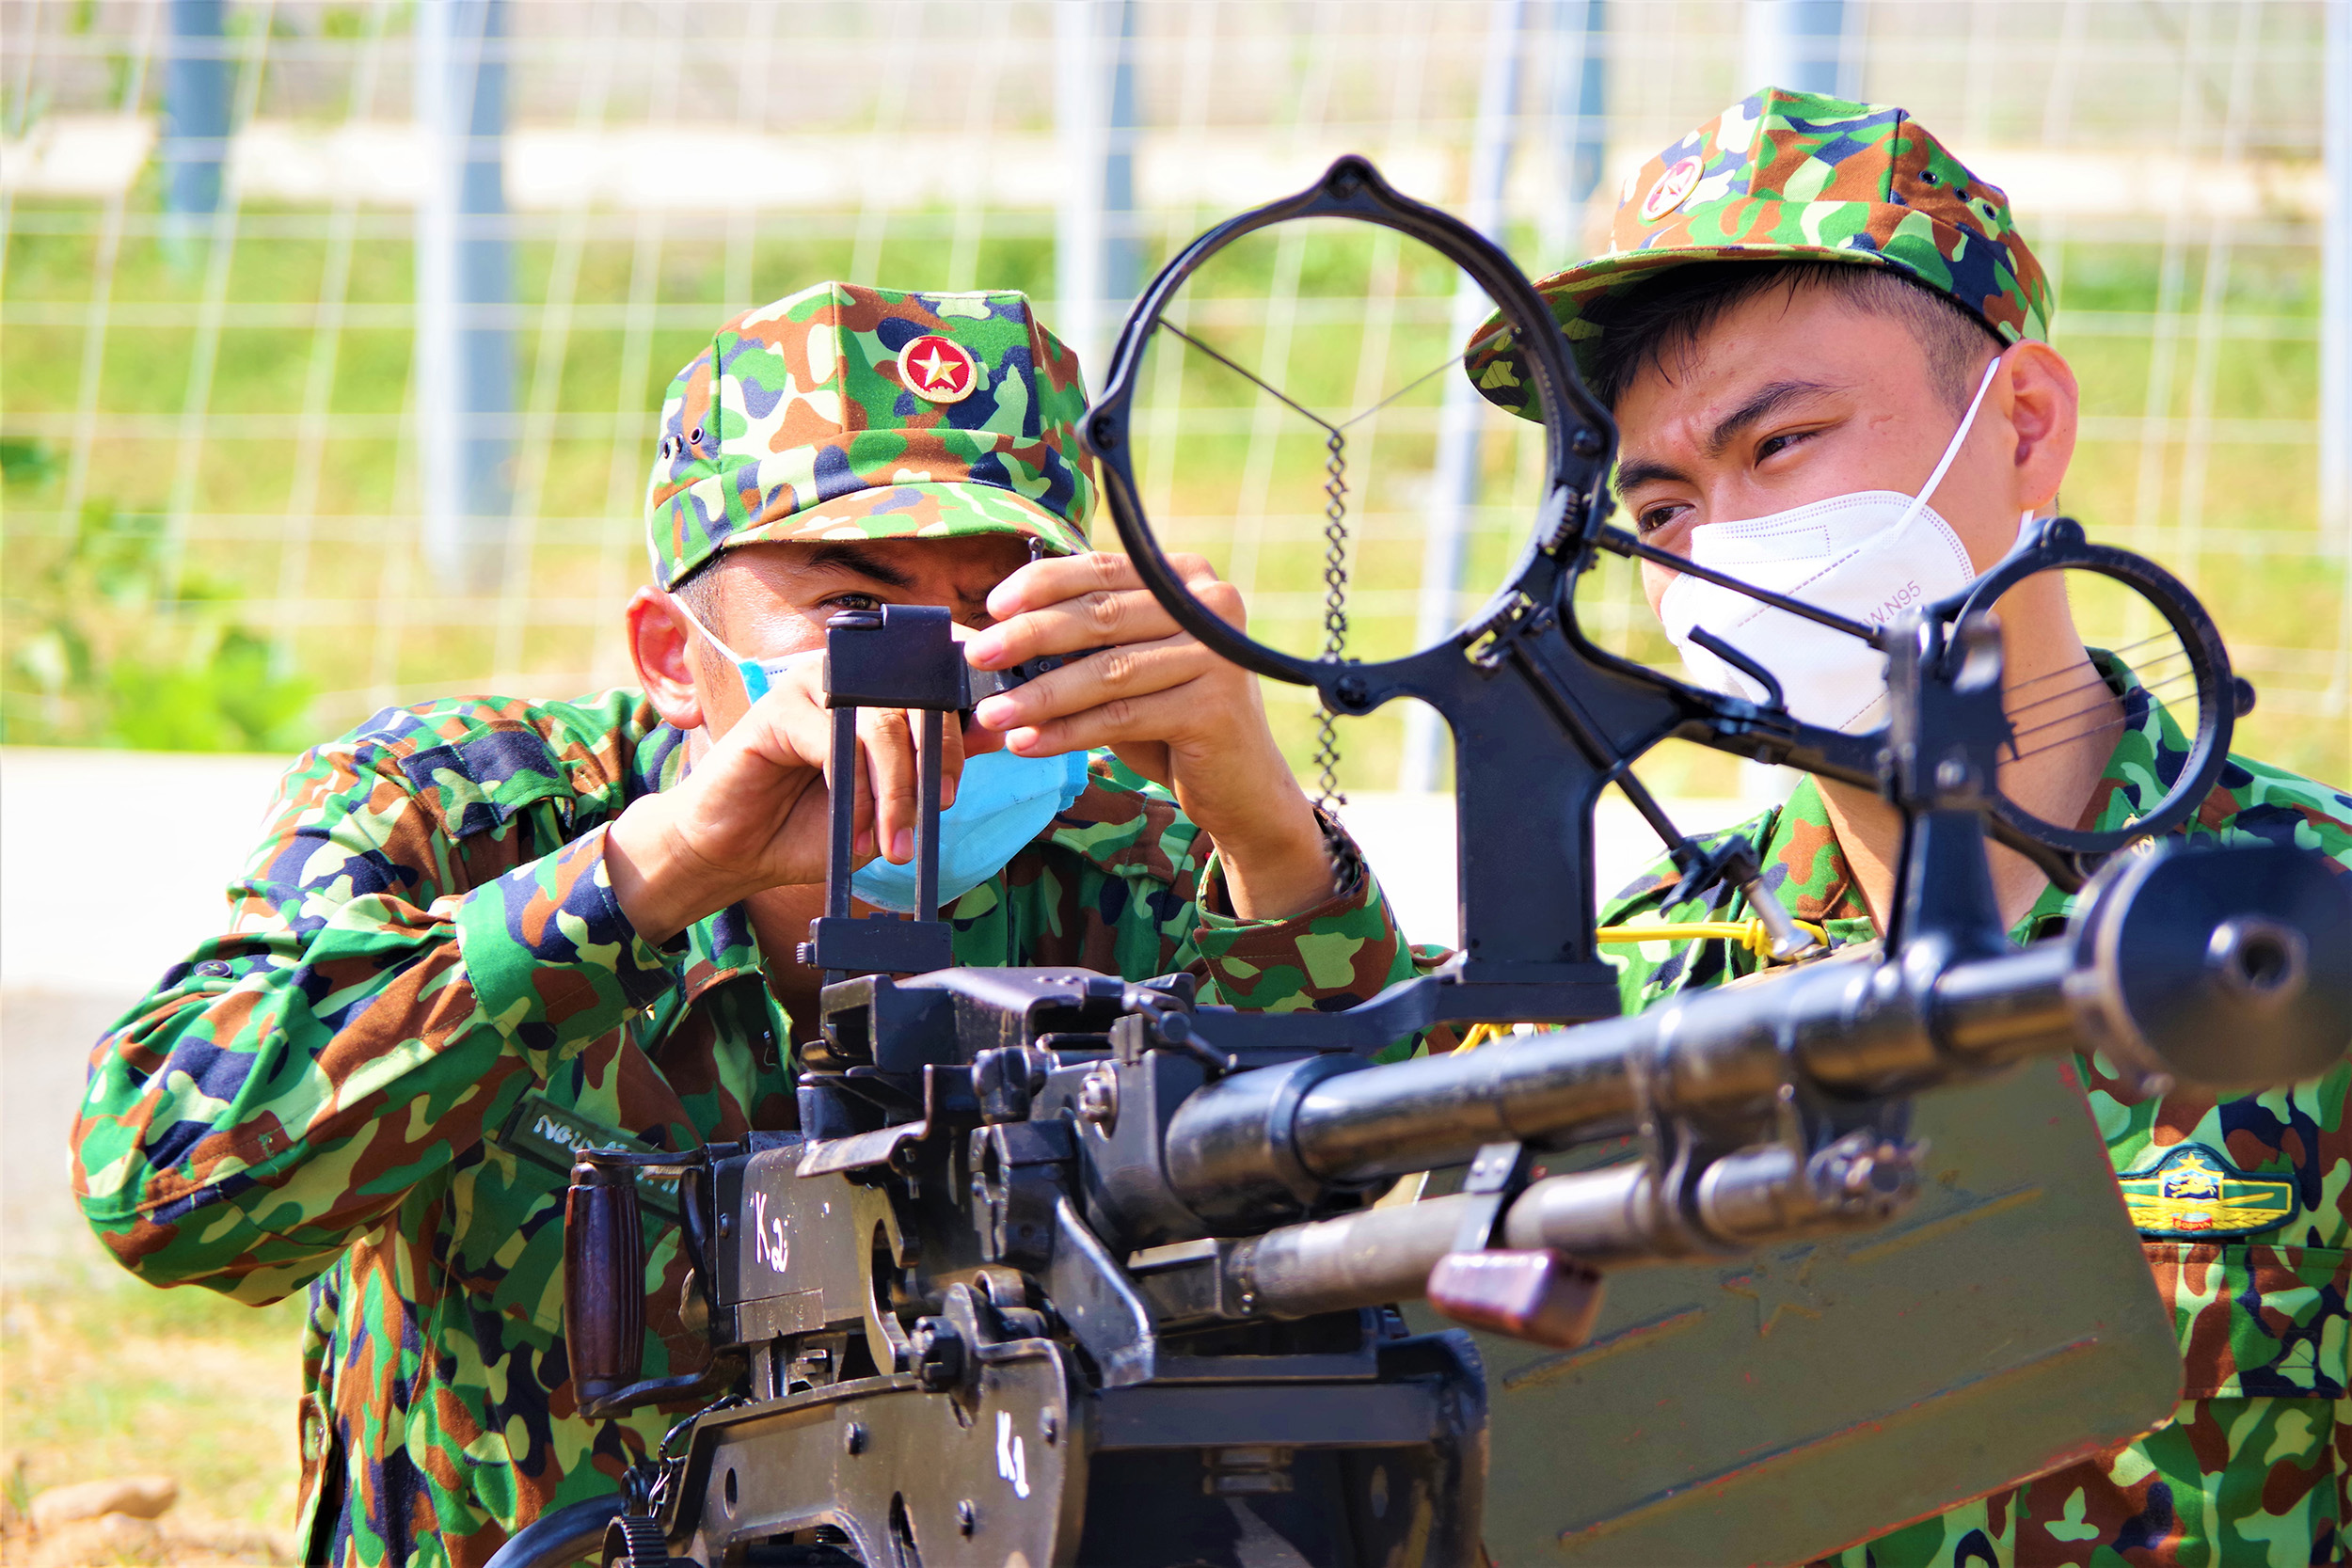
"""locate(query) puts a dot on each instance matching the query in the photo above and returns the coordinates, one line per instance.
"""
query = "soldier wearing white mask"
(1824, 345)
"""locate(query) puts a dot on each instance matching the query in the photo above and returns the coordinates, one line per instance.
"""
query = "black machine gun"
(1063, 1269)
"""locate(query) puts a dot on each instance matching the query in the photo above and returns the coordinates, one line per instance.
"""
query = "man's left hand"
(1170, 710)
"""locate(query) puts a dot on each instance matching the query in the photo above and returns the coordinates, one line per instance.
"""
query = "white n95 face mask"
(1867, 556)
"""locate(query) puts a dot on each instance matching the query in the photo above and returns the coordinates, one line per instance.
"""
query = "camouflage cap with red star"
(1795, 177)
(843, 412)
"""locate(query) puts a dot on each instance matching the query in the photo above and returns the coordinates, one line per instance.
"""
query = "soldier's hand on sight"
(1170, 710)
(754, 812)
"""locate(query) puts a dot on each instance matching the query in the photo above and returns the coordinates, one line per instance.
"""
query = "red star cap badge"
(938, 370)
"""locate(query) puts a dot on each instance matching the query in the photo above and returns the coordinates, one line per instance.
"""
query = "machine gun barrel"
(1850, 1026)
(1611, 1217)
(2224, 969)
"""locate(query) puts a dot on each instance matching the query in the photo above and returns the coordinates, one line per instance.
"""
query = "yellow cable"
(1749, 932)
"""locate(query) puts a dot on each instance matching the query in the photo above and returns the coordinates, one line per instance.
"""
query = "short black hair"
(699, 588)
(1667, 316)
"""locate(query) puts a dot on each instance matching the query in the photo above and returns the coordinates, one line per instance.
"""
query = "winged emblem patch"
(2194, 1194)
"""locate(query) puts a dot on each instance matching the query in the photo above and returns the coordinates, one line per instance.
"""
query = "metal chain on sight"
(1345, 864)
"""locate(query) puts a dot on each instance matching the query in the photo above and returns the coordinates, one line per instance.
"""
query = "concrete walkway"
(112, 865)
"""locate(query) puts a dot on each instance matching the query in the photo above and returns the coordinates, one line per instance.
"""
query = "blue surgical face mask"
(1002, 802)
(760, 675)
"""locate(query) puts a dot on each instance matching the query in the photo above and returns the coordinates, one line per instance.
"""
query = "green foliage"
(107, 650)
(27, 462)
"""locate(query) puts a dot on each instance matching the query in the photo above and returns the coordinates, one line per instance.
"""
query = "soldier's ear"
(661, 645)
(2043, 405)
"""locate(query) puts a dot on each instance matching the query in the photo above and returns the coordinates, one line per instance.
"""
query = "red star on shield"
(938, 370)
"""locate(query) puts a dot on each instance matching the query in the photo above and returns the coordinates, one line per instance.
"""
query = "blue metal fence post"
(1578, 103)
(1123, 249)
(1579, 93)
(465, 283)
(1804, 45)
(1096, 250)
(195, 124)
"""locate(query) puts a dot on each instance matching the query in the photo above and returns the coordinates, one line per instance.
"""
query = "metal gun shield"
(1770, 1408)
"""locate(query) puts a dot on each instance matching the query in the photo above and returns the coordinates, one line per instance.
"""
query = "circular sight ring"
(1577, 458)
(2062, 546)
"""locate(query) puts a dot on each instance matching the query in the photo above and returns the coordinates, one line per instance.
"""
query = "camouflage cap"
(1795, 175)
(843, 412)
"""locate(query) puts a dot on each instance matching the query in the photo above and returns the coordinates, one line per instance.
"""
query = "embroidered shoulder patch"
(2194, 1194)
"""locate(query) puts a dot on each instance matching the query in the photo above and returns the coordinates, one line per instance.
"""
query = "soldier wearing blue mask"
(945, 470)
(484, 932)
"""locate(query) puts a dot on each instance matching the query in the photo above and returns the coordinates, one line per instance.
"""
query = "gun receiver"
(1063, 1269)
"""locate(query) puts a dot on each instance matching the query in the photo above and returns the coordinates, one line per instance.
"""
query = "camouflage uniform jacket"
(428, 997)
(2254, 1469)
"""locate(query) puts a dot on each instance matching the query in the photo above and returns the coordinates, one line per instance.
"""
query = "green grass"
(102, 1376)
(166, 670)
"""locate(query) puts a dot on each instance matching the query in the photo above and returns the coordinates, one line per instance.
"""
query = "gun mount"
(1063, 1269)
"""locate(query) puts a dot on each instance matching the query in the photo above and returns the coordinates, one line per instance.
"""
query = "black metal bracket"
(902, 657)
(1498, 1175)
(896, 657)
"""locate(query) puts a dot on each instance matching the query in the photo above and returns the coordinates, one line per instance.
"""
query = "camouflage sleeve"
(387, 989)
(1346, 950)
(1126, 884)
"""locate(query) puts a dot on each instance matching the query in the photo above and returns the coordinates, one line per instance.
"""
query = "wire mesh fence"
(214, 410)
